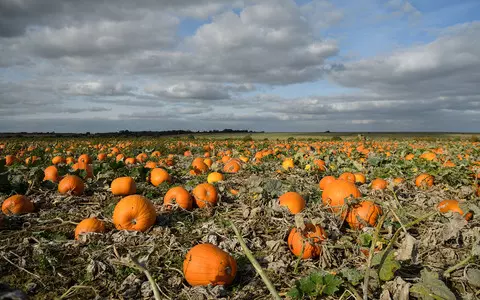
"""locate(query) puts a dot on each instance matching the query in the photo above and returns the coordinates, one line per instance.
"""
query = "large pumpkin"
(337, 191)
(205, 194)
(365, 213)
(180, 196)
(207, 264)
(51, 173)
(326, 181)
(232, 166)
(72, 184)
(89, 225)
(293, 201)
(309, 240)
(214, 177)
(16, 205)
(135, 213)
(123, 186)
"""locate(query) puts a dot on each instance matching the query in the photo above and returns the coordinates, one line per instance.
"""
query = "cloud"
(97, 88)
(198, 90)
(403, 7)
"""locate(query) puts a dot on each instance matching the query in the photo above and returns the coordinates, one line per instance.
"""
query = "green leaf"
(387, 267)
(316, 284)
(365, 239)
(430, 287)
(295, 293)
(352, 275)
(332, 284)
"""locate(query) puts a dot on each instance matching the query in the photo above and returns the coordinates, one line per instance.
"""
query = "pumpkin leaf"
(352, 275)
(316, 284)
(430, 287)
(387, 265)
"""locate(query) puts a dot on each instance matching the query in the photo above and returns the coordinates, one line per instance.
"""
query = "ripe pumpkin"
(214, 177)
(288, 164)
(135, 213)
(83, 166)
(208, 161)
(16, 205)
(58, 160)
(142, 157)
(70, 160)
(379, 184)
(150, 164)
(453, 206)
(205, 194)
(335, 193)
(130, 161)
(348, 177)
(85, 159)
(409, 156)
(101, 156)
(199, 167)
(309, 240)
(361, 214)
(123, 186)
(398, 180)
(428, 156)
(9, 160)
(180, 196)
(158, 176)
(293, 201)
(232, 166)
(51, 173)
(326, 181)
(424, 180)
(207, 264)
(89, 225)
(71, 183)
(360, 178)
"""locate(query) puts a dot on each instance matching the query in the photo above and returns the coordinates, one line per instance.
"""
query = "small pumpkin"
(205, 194)
(58, 160)
(16, 205)
(180, 196)
(158, 176)
(135, 213)
(214, 177)
(293, 201)
(207, 264)
(360, 178)
(71, 183)
(364, 213)
(337, 191)
(288, 164)
(51, 173)
(379, 184)
(424, 180)
(123, 186)
(89, 225)
(85, 159)
(309, 240)
(348, 177)
(453, 206)
(232, 166)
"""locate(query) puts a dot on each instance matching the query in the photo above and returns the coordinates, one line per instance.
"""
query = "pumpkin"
(85, 159)
(16, 205)
(214, 177)
(205, 194)
(379, 184)
(51, 173)
(123, 186)
(150, 164)
(207, 264)
(198, 166)
(428, 156)
(335, 193)
(70, 160)
(58, 160)
(293, 201)
(208, 161)
(326, 181)
(9, 160)
(398, 180)
(288, 164)
(409, 156)
(135, 213)
(119, 157)
(361, 214)
(309, 240)
(71, 183)
(424, 180)
(453, 206)
(348, 177)
(359, 178)
(83, 166)
(232, 166)
(178, 195)
(158, 176)
(101, 156)
(142, 157)
(89, 225)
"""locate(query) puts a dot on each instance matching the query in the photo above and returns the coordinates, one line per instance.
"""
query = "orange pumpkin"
(180, 196)
(205, 194)
(307, 240)
(398, 180)
(158, 176)
(142, 157)
(89, 225)
(9, 160)
(85, 159)
(360, 178)
(379, 184)
(51, 173)
(135, 213)
(361, 214)
(424, 180)
(453, 206)
(293, 201)
(71, 183)
(101, 156)
(16, 205)
(232, 166)
(214, 177)
(58, 160)
(326, 181)
(123, 186)
(150, 164)
(207, 264)
(288, 164)
(348, 177)
(130, 161)
(335, 193)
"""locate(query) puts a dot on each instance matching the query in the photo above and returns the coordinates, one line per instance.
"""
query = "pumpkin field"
(240, 218)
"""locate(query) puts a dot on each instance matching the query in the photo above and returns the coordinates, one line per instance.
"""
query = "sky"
(268, 65)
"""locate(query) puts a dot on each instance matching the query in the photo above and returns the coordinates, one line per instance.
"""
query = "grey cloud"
(199, 90)
(97, 88)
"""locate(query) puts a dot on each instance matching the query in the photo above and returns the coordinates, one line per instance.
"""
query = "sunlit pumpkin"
(135, 213)
(158, 176)
(214, 177)
(89, 225)
(306, 243)
(379, 184)
(293, 201)
(123, 186)
(16, 205)
(205, 194)
(424, 180)
(453, 206)
(71, 184)
(337, 191)
(179, 196)
(364, 213)
(326, 181)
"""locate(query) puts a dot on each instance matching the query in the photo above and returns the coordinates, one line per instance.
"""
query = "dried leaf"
(406, 250)
(430, 287)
